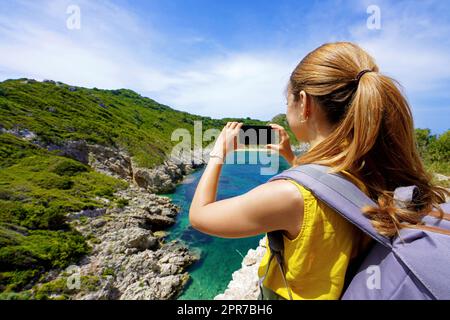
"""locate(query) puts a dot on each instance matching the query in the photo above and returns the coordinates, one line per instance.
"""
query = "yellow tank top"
(317, 259)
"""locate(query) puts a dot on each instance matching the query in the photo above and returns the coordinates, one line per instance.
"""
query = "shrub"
(54, 287)
(55, 182)
(17, 279)
(69, 168)
(26, 295)
(108, 272)
(104, 191)
(16, 258)
(434, 150)
(122, 202)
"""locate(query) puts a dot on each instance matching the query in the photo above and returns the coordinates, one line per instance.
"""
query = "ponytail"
(374, 131)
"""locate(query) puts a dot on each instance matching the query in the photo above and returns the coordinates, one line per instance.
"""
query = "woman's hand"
(227, 140)
(284, 147)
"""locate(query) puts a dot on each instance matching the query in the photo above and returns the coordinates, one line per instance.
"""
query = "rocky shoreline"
(244, 283)
(129, 253)
(130, 259)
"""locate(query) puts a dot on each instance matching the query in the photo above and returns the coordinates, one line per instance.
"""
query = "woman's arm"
(272, 206)
(277, 205)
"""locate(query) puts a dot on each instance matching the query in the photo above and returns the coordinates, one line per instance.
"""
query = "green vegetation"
(108, 272)
(58, 289)
(121, 118)
(37, 190)
(121, 203)
(435, 152)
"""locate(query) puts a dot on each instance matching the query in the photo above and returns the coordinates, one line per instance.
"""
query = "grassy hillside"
(37, 189)
(122, 118)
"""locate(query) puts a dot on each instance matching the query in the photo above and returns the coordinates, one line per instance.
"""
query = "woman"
(358, 123)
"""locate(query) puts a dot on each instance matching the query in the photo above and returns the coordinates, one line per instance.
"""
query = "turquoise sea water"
(219, 257)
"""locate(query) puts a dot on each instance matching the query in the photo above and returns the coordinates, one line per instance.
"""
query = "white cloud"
(234, 85)
(100, 54)
(409, 47)
(115, 49)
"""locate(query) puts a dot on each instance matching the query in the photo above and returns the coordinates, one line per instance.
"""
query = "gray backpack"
(413, 265)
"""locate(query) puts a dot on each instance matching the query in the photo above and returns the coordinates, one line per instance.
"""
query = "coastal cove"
(219, 258)
(79, 204)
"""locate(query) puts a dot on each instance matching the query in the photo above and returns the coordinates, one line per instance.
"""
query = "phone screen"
(256, 135)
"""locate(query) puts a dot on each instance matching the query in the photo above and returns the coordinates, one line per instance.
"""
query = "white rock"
(244, 283)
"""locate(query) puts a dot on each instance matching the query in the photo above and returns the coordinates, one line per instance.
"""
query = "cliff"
(244, 283)
(128, 246)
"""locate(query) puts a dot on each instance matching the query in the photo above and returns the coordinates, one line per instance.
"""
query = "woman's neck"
(318, 135)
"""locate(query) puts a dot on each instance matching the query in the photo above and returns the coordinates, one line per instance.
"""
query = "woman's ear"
(305, 108)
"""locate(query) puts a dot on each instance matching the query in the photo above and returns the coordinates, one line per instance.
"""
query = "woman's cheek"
(292, 120)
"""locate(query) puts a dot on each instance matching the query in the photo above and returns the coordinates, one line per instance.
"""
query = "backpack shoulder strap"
(338, 193)
(276, 246)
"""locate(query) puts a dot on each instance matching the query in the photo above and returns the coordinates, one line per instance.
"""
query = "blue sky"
(225, 58)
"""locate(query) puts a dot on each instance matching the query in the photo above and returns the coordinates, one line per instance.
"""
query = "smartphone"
(256, 135)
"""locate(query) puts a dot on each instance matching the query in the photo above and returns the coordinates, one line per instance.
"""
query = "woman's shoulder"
(286, 190)
(294, 189)
(289, 201)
